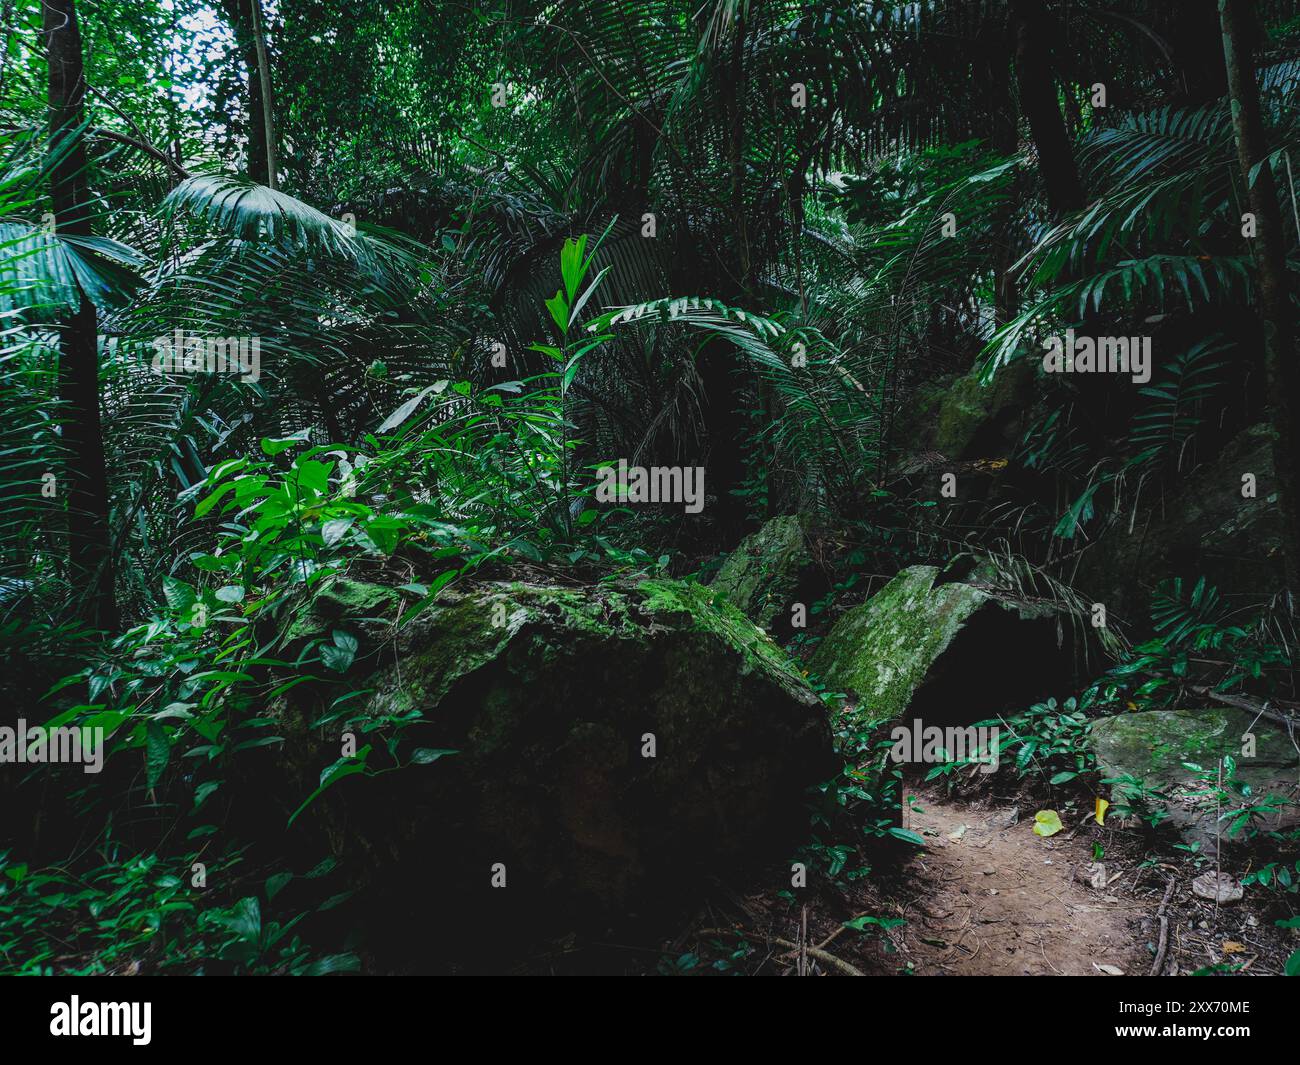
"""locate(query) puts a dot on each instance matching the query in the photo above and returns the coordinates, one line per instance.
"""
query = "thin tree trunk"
(1270, 260)
(89, 555)
(996, 47)
(264, 79)
(1038, 100)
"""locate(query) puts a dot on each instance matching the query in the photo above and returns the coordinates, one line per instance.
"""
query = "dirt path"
(991, 898)
(987, 897)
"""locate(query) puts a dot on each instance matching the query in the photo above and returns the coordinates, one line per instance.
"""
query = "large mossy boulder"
(978, 419)
(615, 745)
(341, 600)
(944, 652)
(1148, 754)
(919, 414)
(769, 571)
(963, 418)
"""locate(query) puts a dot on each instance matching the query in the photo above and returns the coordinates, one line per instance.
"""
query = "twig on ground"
(1241, 702)
(1162, 944)
(813, 952)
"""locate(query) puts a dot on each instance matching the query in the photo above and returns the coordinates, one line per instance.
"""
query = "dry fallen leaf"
(1109, 970)
(1231, 946)
(1217, 887)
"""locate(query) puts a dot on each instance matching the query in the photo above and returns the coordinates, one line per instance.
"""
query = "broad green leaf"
(334, 963)
(428, 755)
(907, 835)
(158, 750)
(275, 884)
(284, 443)
(1047, 823)
(405, 410)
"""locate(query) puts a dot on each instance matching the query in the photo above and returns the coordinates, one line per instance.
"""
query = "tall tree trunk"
(264, 79)
(1038, 100)
(239, 14)
(1270, 259)
(89, 553)
(721, 376)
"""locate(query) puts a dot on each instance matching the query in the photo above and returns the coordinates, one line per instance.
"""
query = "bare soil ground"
(988, 897)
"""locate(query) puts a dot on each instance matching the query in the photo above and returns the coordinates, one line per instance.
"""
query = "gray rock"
(978, 420)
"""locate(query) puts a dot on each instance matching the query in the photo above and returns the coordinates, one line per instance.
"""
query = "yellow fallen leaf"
(1101, 807)
(1231, 946)
(1047, 823)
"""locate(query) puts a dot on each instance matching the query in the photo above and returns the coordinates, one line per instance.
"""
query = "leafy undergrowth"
(143, 914)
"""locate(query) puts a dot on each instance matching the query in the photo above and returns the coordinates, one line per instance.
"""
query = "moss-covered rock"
(918, 415)
(982, 420)
(337, 600)
(965, 418)
(942, 651)
(768, 571)
(615, 743)
(1154, 747)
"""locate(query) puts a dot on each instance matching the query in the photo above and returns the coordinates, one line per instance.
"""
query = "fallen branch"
(97, 133)
(148, 149)
(813, 952)
(1241, 702)
(1162, 944)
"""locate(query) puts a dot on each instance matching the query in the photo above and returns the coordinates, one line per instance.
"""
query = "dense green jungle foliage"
(459, 260)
